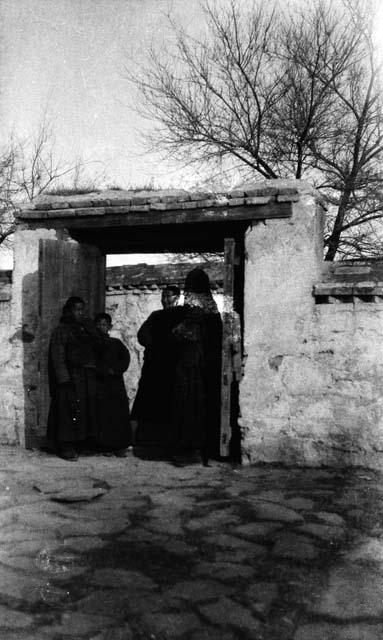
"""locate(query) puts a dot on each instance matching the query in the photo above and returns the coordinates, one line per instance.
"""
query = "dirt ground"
(110, 548)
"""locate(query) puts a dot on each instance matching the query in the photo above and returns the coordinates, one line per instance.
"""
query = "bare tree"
(293, 95)
(8, 192)
(31, 168)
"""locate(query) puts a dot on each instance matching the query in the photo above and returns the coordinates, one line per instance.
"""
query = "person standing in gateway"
(152, 407)
(113, 433)
(72, 419)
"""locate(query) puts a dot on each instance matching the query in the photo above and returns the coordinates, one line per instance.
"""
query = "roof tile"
(94, 211)
(236, 202)
(75, 203)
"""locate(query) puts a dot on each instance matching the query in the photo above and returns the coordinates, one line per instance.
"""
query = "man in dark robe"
(152, 405)
(196, 399)
(72, 377)
(113, 433)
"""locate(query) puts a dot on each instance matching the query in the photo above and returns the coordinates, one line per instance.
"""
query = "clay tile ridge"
(249, 194)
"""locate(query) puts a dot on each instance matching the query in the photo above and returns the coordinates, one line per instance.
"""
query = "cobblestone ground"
(121, 549)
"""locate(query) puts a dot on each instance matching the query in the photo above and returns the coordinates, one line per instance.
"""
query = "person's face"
(169, 299)
(77, 311)
(103, 325)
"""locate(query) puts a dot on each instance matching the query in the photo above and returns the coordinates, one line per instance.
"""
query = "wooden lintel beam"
(156, 218)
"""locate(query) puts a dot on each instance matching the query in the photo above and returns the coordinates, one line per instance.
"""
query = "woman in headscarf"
(72, 420)
(196, 405)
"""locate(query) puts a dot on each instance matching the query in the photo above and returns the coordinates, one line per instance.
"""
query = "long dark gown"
(72, 381)
(152, 407)
(196, 400)
(113, 415)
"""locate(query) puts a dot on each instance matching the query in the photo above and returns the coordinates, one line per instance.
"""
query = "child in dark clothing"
(113, 415)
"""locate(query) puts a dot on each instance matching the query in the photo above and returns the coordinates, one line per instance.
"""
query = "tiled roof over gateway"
(113, 201)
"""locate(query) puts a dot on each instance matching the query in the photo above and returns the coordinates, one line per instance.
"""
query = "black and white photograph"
(191, 320)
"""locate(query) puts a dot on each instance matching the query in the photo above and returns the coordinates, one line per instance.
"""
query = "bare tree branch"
(292, 95)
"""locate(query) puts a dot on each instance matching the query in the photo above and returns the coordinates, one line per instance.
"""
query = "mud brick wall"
(7, 397)
(312, 392)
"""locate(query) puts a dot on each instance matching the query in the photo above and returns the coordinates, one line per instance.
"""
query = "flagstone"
(79, 624)
(217, 518)
(224, 570)
(228, 613)
(330, 518)
(77, 494)
(274, 511)
(105, 602)
(119, 633)
(289, 545)
(120, 578)
(213, 634)
(325, 631)
(353, 591)
(14, 618)
(232, 542)
(173, 625)
(261, 596)
(241, 557)
(367, 550)
(56, 485)
(257, 529)
(197, 590)
(301, 504)
(138, 604)
(84, 543)
(323, 531)
(19, 585)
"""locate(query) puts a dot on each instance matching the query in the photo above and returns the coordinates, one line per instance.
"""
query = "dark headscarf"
(197, 281)
(197, 291)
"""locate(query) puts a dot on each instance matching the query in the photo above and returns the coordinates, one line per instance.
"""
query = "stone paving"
(121, 549)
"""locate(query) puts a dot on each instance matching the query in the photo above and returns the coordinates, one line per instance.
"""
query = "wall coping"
(346, 279)
(151, 277)
(111, 201)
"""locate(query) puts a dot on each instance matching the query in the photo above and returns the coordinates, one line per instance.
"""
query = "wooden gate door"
(231, 348)
(66, 269)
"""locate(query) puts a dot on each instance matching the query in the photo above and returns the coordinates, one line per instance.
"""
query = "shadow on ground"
(135, 548)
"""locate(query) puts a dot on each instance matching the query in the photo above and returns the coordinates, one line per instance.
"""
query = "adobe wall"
(312, 392)
(18, 339)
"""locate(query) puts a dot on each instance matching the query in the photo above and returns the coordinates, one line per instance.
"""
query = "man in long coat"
(152, 408)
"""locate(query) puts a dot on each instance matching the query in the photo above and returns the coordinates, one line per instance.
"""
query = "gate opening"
(134, 285)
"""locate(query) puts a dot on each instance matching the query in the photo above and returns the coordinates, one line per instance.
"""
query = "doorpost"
(231, 348)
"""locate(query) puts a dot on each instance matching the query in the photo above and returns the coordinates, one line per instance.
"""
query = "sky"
(67, 57)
